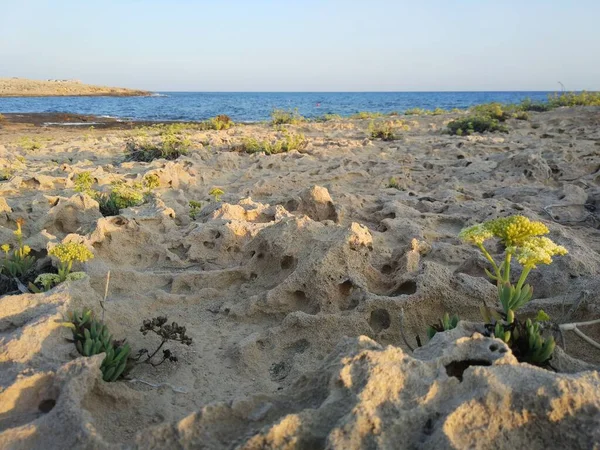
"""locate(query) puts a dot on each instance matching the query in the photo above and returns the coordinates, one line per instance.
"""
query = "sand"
(22, 87)
(292, 288)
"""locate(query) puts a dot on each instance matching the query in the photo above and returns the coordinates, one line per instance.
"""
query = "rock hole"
(300, 346)
(209, 244)
(457, 368)
(379, 320)
(345, 288)
(386, 269)
(494, 347)
(47, 405)
(407, 288)
(287, 262)
(300, 296)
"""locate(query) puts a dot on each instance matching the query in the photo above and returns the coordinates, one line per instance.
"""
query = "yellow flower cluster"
(5, 248)
(71, 251)
(476, 234)
(515, 230)
(537, 250)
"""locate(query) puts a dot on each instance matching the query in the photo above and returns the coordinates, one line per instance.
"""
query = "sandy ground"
(22, 87)
(303, 249)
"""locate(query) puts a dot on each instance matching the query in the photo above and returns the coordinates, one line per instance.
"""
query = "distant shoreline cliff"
(22, 87)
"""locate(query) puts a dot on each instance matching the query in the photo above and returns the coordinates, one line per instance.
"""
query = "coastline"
(21, 87)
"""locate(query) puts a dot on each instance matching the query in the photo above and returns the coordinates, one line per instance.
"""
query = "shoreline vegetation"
(487, 117)
(23, 87)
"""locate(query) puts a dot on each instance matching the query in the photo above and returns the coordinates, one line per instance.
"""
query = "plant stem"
(523, 276)
(491, 260)
(156, 351)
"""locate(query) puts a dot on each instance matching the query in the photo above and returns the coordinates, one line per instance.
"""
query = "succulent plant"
(444, 324)
(92, 337)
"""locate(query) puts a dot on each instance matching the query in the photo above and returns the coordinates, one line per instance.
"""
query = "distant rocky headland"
(22, 87)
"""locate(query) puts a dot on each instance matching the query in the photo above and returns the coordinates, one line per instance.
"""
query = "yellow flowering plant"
(18, 262)
(524, 241)
(67, 253)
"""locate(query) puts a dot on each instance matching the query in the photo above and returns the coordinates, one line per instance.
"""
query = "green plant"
(67, 253)
(475, 124)
(366, 115)
(438, 111)
(570, 99)
(220, 122)
(123, 195)
(171, 144)
(6, 173)
(382, 130)
(166, 332)
(216, 193)
(329, 117)
(283, 117)
(18, 263)
(30, 144)
(523, 241)
(289, 142)
(83, 183)
(393, 183)
(195, 208)
(444, 324)
(92, 338)
(416, 112)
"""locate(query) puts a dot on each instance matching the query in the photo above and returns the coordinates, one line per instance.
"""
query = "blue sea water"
(256, 106)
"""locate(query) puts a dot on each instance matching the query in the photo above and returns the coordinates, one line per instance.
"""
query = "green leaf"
(87, 347)
(431, 332)
(108, 374)
(542, 316)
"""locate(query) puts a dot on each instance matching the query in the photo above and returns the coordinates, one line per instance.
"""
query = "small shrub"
(195, 208)
(570, 99)
(220, 122)
(416, 112)
(30, 144)
(171, 144)
(328, 118)
(438, 111)
(366, 115)
(6, 173)
(393, 183)
(2, 118)
(289, 142)
(529, 105)
(475, 124)
(382, 130)
(285, 117)
(121, 194)
(83, 183)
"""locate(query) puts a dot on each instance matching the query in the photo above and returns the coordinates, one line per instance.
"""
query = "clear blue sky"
(309, 45)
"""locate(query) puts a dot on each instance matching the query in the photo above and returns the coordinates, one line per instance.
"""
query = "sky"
(308, 45)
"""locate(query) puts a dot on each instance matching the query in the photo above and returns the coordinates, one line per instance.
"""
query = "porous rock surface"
(293, 288)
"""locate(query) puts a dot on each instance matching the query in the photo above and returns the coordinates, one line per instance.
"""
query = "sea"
(256, 106)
